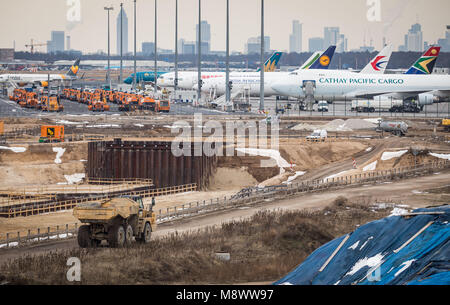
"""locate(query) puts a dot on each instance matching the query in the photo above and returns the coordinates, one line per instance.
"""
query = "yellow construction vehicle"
(2, 128)
(116, 220)
(446, 124)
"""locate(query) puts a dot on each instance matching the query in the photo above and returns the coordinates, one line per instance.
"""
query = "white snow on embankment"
(59, 153)
(75, 178)
(14, 149)
(371, 167)
(336, 175)
(388, 155)
(271, 153)
(292, 178)
(441, 156)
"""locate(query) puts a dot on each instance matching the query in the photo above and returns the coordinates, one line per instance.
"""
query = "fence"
(246, 196)
(35, 208)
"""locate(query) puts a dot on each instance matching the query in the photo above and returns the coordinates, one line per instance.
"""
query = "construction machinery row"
(30, 99)
(98, 100)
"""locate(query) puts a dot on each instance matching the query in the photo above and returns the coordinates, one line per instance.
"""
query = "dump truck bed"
(106, 210)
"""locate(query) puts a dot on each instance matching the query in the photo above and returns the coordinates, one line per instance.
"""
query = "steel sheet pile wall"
(154, 160)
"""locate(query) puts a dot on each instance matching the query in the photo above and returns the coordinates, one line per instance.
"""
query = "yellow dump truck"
(116, 220)
(446, 124)
(2, 128)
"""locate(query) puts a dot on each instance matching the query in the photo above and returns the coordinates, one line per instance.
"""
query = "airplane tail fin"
(271, 63)
(379, 63)
(74, 69)
(425, 64)
(323, 62)
(310, 61)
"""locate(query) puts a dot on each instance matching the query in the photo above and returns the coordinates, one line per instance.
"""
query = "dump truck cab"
(164, 106)
(116, 220)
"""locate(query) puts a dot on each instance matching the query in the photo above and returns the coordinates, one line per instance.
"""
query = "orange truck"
(129, 103)
(51, 104)
(99, 105)
(51, 133)
(2, 128)
(148, 103)
(164, 106)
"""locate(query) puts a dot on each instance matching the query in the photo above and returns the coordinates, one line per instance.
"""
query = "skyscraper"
(316, 44)
(206, 36)
(253, 45)
(57, 42)
(125, 33)
(295, 39)
(331, 36)
(413, 39)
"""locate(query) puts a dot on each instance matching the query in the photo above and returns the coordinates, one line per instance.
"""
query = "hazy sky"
(23, 20)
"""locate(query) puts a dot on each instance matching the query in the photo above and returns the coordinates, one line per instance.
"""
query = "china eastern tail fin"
(379, 63)
(323, 62)
(425, 64)
(271, 64)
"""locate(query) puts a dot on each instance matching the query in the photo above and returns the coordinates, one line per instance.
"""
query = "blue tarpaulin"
(396, 250)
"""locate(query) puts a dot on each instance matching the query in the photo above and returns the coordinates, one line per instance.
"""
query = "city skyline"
(397, 16)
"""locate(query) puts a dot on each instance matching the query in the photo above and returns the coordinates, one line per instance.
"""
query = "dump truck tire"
(84, 238)
(129, 235)
(116, 236)
(146, 235)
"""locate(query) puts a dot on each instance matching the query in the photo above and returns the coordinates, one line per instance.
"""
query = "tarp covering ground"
(397, 250)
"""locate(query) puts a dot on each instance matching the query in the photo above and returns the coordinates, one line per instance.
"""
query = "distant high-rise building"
(189, 47)
(413, 40)
(445, 42)
(68, 42)
(295, 39)
(206, 36)
(148, 48)
(316, 44)
(342, 44)
(180, 45)
(254, 45)
(125, 32)
(331, 36)
(57, 42)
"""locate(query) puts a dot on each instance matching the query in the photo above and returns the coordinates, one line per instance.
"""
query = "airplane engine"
(426, 99)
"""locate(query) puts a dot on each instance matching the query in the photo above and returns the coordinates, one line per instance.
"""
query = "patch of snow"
(291, 178)
(369, 149)
(59, 153)
(65, 122)
(367, 261)
(274, 154)
(14, 149)
(139, 125)
(103, 126)
(371, 167)
(417, 192)
(405, 266)
(336, 175)
(75, 178)
(286, 283)
(388, 155)
(398, 212)
(440, 156)
(374, 121)
(354, 246)
(371, 237)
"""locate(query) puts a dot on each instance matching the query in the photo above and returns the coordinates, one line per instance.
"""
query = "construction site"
(55, 165)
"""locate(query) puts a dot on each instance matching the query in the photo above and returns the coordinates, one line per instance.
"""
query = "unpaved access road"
(411, 192)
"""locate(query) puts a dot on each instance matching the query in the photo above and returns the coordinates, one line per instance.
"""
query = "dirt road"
(412, 192)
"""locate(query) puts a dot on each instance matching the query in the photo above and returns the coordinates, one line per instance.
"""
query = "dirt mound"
(231, 178)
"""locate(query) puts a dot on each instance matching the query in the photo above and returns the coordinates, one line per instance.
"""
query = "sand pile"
(231, 178)
(338, 125)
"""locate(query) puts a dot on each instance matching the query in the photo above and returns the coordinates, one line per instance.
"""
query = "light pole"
(176, 50)
(261, 86)
(156, 47)
(108, 75)
(199, 47)
(227, 69)
(134, 77)
(121, 42)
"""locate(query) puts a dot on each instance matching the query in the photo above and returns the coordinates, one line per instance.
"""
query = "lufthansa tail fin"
(323, 62)
(379, 63)
(271, 64)
(74, 69)
(425, 64)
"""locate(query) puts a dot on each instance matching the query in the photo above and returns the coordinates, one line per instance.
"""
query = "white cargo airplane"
(343, 85)
(251, 80)
(41, 79)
